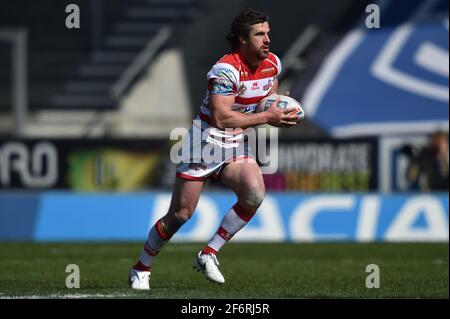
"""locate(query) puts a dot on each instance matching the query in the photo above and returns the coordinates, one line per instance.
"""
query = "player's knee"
(183, 215)
(253, 197)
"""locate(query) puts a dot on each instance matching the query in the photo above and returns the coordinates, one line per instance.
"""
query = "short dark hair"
(240, 27)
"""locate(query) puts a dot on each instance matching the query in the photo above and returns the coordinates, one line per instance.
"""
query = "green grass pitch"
(251, 270)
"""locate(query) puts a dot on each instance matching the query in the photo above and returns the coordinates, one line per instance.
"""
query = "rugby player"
(236, 84)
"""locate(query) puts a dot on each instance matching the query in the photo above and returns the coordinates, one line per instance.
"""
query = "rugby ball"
(285, 102)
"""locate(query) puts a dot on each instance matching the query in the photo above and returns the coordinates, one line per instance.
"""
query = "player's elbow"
(218, 121)
(221, 125)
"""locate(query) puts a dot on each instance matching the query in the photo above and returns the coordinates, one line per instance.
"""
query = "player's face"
(258, 40)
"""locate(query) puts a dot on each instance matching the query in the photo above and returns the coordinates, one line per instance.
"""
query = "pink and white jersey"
(231, 76)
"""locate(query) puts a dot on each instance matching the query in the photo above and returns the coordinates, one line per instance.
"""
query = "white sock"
(236, 218)
(155, 241)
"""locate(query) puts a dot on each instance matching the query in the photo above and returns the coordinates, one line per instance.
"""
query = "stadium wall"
(291, 217)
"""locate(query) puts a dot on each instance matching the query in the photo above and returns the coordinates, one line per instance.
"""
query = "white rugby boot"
(139, 279)
(207, 264)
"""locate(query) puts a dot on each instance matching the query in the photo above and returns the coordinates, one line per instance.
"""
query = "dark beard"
(262, 55)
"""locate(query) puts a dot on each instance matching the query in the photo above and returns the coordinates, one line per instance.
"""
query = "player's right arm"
(223, 116)
(223, 86)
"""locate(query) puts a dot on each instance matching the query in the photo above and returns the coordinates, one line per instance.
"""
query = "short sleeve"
(278, 64)
(223, 79)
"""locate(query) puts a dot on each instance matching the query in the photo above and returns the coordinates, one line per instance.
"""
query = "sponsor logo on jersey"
(268, 85)
(248, 109)
(255, 86)
(271, 69)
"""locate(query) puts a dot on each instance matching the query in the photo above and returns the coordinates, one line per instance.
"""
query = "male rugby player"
(236, 84)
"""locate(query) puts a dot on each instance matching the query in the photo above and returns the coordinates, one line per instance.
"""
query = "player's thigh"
(185, 195)
(243, 177)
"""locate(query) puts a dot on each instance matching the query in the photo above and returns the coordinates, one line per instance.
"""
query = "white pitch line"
(63, 296)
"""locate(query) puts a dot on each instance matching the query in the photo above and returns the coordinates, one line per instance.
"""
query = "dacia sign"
(294, 217)
(327, 218)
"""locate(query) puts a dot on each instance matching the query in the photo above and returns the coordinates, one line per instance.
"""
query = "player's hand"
(284, 123)
(279, 117)
(288, 124)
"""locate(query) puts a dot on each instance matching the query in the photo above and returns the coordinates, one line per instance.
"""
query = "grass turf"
(319, 270)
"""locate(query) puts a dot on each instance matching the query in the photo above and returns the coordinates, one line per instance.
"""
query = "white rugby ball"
(285, 102)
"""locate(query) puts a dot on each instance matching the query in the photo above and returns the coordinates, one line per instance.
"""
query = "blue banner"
(65, 216)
